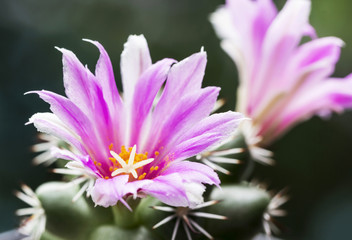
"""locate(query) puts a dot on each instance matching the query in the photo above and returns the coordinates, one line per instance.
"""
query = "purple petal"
(308, 69)
(107, 192)
(146, 90)
(78, 122)
(243, 25)
(207, 133)
(105, 76)
(333, 95)
(193, 172)
(310, 32)
(184, 78)
(191, 109)
(318, 57)
(83, 89)
(252, 20)
(50, 124)
(181, 184)
(78, 81)
(68, 155)
(67, 111)
(282, 37)
(290, 24)
(84, 160)
(169, 189)
(108, 109)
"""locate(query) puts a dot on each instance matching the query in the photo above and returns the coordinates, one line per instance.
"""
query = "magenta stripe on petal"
(169, 126)
(206, 134)
(105, 76)
(77, 80)
(146, 90)
(67, 111)
(184, 78)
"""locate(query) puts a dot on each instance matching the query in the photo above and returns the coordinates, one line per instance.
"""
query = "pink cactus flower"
(136, 144)
(282, 82)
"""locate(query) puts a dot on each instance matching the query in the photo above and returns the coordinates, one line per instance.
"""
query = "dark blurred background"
(313, 159)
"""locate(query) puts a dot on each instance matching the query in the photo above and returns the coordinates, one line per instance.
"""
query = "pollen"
(156, 153)
(97, 163)
(142, 176)
(154, 168)
(111, 146)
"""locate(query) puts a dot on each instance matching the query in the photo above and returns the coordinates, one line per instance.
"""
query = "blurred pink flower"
(135, 144)
(281, 82)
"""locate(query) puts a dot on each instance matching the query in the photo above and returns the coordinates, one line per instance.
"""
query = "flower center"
(127, 162)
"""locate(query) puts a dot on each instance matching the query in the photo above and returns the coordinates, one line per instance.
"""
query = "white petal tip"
(91, 41)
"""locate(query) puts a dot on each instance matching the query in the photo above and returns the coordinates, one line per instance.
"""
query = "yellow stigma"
(126, 162)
